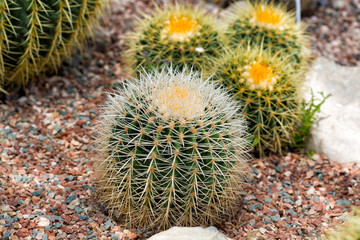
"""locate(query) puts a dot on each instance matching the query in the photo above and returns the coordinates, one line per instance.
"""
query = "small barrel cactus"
(268, 87)
(268, 25)
(36, 35)
(350, 230)
(172, 150)
(183, 36)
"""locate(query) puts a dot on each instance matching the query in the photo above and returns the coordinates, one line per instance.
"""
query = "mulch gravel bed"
(335, 32)
(47, 190)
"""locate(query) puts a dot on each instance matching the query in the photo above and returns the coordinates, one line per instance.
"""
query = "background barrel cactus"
(172, 151)
(269, 25)
(36, 35)
(181, 35)
(268, 88)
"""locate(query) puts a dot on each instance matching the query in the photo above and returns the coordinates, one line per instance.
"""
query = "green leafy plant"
(308, 118)
(182, 35)
(267, 86)
(37, 35)
(172, 150)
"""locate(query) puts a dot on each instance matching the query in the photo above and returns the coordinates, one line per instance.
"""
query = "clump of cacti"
(172, 149)
(36, 35)
(350, 230)
(269, 25)
(180, 35)
(268, 88)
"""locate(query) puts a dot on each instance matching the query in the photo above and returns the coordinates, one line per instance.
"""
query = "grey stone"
(190, 233)
(336, 134)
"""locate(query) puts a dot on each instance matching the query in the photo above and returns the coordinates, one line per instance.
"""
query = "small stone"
(291, 211)
(58, 225)
(69, 229)
(108, 224)
(262, 230)
(37, 193)
(73, 204)
(78, 209)
(18, 178)
(22, 233)
(17, 225)
(42, 222)
(253, 207)
(6, 235)
(61, 235)
(70, 198)
(343, 202)
(184, 233)
(268, 200)
(275, 218)
(114, 236)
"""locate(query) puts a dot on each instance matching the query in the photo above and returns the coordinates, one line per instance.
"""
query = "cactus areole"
(172, 150)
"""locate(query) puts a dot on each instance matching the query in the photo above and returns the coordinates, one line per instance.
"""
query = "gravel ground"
(46, 141)
(336, 32)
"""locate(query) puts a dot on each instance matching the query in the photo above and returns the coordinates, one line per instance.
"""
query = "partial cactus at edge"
(268, 88)
(36, 35)
(180, 35)
(172, 151)
(350, 230)
(266, 24)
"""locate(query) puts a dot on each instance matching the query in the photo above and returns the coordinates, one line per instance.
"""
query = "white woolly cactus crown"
(172, 151)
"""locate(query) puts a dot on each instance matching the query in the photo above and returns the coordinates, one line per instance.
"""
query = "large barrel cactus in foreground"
(180, 35)
(172, 151)
(268, 87)
(266, 24)
(37, 34)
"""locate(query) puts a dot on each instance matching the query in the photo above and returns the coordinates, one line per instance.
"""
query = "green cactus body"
(267, 87)
(179, 35)
(270, 26)
(36, 35)
(350, 230)
(172, 151)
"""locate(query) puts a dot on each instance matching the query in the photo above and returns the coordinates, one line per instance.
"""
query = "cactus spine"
(172, 150)
(36, 34)
(181, 35)
(268, 25)
(268, 87)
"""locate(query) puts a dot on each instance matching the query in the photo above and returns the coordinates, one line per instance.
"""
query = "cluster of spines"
(162, 170)
(152, 45)
(271, 109)
(36, 36)
(282, 35)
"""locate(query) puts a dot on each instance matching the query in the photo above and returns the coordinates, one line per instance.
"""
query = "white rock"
(42, 222)
(190, 233)
(337, 134)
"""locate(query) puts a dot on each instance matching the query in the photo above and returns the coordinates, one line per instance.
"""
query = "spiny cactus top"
(172, 150)
(268, 87)
(266, 24)
(180, 35)
(36, 34)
